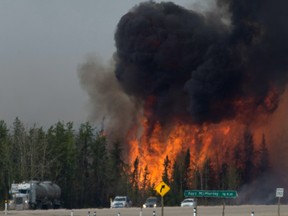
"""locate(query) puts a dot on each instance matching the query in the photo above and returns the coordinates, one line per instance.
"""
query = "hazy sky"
(41, 45)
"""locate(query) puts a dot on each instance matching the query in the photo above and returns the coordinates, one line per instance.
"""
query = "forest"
(90, 172)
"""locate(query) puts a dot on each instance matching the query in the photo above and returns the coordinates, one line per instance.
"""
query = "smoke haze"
(109, 104)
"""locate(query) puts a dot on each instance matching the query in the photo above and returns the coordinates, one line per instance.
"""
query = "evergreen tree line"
(90, 174)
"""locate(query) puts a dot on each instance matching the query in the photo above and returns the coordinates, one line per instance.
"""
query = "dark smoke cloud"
(197, 67)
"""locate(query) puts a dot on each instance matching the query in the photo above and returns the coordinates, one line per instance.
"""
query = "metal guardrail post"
(194, 212)
(6, 207)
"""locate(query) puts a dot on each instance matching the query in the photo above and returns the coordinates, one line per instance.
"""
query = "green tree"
(37, 148)
(68, 164)
(84, 141)
(118, 171)
(100, 168)
(5, 164)
(19, 152)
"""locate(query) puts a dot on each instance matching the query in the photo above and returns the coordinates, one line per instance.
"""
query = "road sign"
(211, 193)
(279, 192)
(162, 188)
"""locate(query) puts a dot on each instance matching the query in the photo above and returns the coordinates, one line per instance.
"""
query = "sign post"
(223, 210)
(279, 194)
(162, 189)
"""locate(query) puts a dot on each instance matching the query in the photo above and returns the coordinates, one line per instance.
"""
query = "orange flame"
(208, 141)
(151, 145)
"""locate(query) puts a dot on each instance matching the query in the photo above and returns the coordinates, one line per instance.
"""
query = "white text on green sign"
(211, 193)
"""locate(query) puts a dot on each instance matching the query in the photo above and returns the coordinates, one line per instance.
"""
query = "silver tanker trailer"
(44, 195)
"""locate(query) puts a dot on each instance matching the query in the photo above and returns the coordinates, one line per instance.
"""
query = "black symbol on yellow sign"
(162, 188)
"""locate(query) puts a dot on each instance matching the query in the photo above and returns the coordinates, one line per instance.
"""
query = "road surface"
(259, 210)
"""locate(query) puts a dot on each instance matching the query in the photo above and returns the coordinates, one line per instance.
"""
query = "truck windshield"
(23, 191)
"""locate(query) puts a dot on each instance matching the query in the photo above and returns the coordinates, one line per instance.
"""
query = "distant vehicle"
(151, 202)
(121, 202)
(189, 202)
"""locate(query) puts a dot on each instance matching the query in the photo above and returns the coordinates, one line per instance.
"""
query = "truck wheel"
(32, 206)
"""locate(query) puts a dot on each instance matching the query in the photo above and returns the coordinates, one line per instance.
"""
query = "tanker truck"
(35, 195)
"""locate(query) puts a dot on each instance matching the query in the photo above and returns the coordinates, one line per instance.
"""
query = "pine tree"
(248, 157)
(263, 157)
(118, 171)
(186, 181)
(135, 178)
(5, 164)
(223, 176)
(176, 183)
(233, 177)
(100, 166)
(146, 179)
(167, 168)
(84, 141)
(19, 152)
(38, 149)
(208, 175)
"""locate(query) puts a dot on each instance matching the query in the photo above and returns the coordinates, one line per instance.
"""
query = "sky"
(42, 43)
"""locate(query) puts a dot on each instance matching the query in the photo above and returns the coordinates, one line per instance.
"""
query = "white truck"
(19, 196)
(34, 195)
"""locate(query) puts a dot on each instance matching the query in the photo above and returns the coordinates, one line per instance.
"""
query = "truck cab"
(19, 196)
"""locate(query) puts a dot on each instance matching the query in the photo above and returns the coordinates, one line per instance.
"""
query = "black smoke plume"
(199, 67)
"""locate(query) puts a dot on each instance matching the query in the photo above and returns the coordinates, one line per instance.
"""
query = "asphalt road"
(259, 210)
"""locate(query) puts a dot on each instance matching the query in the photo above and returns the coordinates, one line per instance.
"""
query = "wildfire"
(187, 81)
(208, 141)
(151, 142)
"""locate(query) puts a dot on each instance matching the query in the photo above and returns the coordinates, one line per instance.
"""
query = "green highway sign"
(211, 193)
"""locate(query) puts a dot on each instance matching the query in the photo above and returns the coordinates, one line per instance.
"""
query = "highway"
(243, 210)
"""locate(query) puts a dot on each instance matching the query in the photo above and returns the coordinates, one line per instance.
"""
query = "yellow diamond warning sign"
(162, 188)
